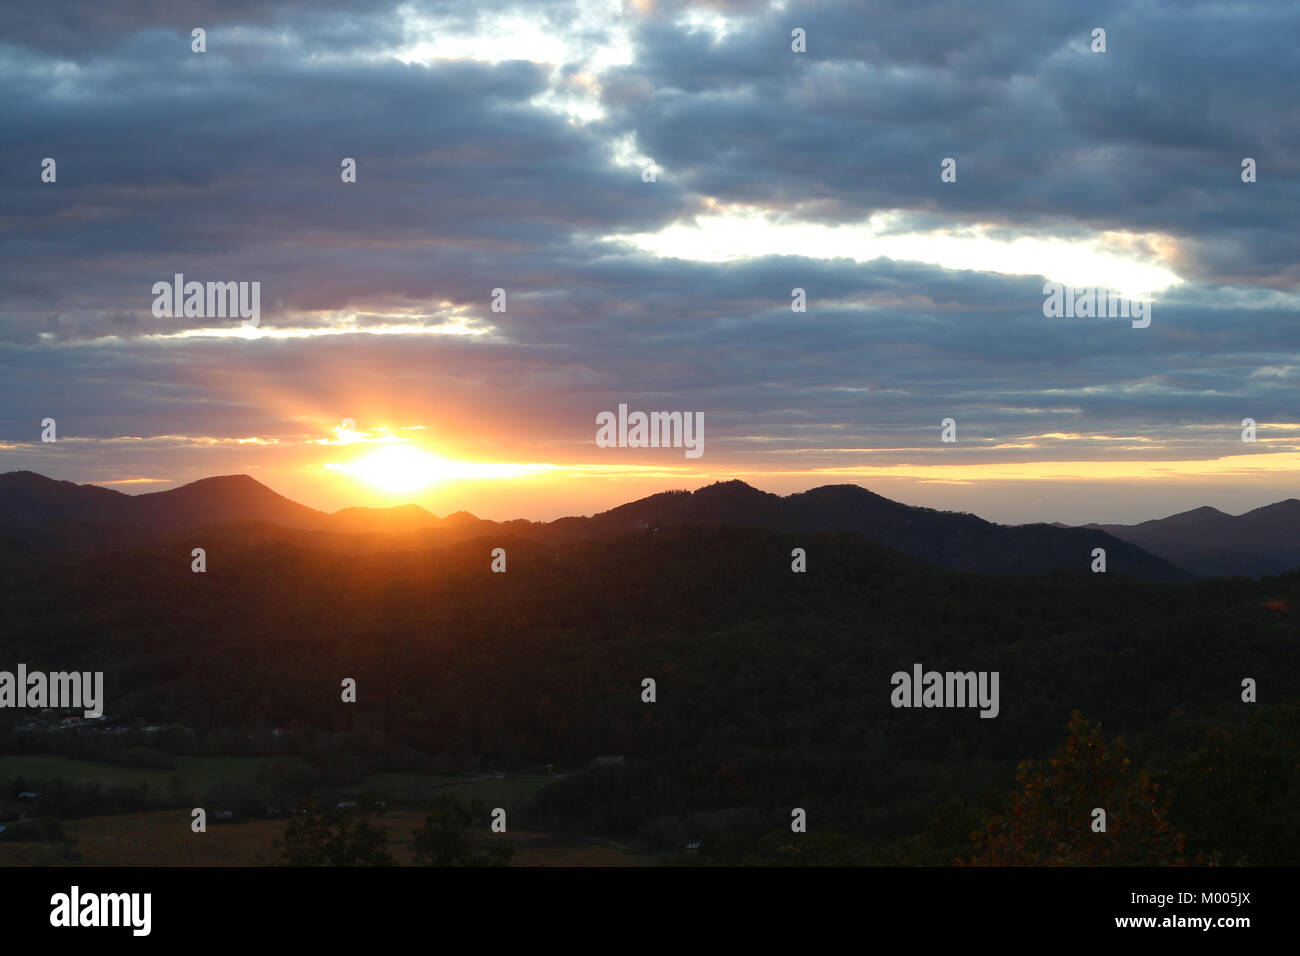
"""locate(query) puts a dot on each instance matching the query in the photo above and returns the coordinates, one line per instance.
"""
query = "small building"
(610, 760)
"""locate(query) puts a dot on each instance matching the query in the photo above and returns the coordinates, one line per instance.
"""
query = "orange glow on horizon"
(400, 469)
(396, 469)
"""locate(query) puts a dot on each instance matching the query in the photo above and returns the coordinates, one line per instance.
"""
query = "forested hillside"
(773, 687)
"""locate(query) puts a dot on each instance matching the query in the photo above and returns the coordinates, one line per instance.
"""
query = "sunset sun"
(398, 469)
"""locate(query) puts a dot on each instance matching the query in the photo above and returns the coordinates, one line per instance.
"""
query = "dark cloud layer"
(226, 166)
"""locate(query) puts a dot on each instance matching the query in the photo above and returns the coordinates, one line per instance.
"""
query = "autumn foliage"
(1049, 821)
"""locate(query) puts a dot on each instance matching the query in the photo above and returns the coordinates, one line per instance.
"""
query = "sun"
(398, 469)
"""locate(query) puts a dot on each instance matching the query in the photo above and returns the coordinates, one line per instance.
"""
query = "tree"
(332, 838)
(1050, 821)
(441, 841)
(1235, 797)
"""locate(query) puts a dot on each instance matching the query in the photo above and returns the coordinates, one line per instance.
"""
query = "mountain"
(214, 501)
(27, 498)
(1209, 542)
(395, 520)
(952, 539)
(42, 511)
(60, 514)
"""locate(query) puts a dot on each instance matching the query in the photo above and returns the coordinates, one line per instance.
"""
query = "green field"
(197, 773)
(420, 788)
(164, 838)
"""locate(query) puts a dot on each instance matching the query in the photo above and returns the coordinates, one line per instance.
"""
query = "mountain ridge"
(1209, 542)
(43, 510)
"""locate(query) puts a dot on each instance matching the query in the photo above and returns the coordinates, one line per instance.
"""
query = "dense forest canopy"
(773, 687)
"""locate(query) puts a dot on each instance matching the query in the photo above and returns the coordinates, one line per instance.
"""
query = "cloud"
(479, 170)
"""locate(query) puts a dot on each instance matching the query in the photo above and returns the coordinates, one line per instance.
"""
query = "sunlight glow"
(598, 38)
(396, 469)
(403, 468)
(1130, 264)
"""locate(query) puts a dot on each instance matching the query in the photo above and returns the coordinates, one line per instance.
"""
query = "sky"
(647, 183)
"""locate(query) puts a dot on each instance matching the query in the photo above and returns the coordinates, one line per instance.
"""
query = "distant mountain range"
(947, 538)
(1208, 542)
(1205, 542)
(45, 513)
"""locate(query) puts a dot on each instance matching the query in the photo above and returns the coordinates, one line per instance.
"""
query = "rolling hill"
(46, 513)
(1209, 542)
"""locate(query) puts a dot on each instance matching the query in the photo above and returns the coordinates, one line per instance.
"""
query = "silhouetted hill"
(1207, 541)
(53, 513)
(212, 501)
(26, 497)
(952, 539)
(396, 520)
